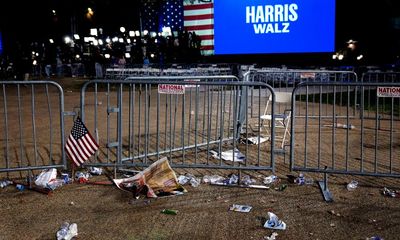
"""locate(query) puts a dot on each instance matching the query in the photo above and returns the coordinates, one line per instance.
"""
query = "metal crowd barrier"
(124, 72)
(285, 80)
(378, 77)
(367, 146)
(196, 125)
(32, 126)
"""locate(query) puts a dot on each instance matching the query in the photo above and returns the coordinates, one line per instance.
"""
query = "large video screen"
(274, 26)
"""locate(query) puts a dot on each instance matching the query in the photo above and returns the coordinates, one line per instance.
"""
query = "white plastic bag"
(46, 176)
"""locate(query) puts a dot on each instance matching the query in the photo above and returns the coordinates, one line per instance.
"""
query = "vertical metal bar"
(306, 128)
(209, 123)
(183, 128)
(6, 126)
(196, 119)
(170, 126)
(133, 119)
(21, 135)
(319, 127)
(139, 119)
(50, 123)
(175, 118)
(34, 124)
(206, 92)
(334, 127)
(165, 122)
(362, 106)
(190, 115)
(158, 126)
(391, 135)
(147, 120)
(108, 122)
(217, 112)
(376, 135)
(348, 128)
(95, 118)
(119, 126)
(130, 121)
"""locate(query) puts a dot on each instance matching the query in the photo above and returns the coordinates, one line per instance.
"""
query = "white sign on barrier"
(171, 89)
(388, 92)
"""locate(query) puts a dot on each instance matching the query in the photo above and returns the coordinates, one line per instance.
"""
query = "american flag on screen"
(80, 144)
(199, 17)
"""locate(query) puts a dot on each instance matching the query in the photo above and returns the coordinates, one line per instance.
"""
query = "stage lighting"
(128, 40)
(341, 56)
(127, 55)
(100, 42)
(115, 39)
(77, 56)
(360, 57)
(121, 40)
(34, 63)
(137, 33)
(145, 32)
(122, 29)
(107, 55)
(76, 37)
(67, 39)
(51, 40)
(152, 55)
(131, 33)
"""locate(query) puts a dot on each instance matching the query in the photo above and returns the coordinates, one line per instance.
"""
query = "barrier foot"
(323, 185)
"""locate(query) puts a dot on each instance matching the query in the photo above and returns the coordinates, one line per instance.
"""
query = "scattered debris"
(391, 193)
(157, 180)
(82, 177)
(271, 179)
(212, 179)
(5, 183)
(272, 237)
(45, 177)
(95, 171)
(169, 211)
(352, 185)
(188, 177)
(230, 155)
(254, 140)
(67, 231)
(332, 225)
(240, 208)
(374, 238)
(274, 222)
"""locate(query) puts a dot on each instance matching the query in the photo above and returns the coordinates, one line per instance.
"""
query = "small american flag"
(199, 17)
(80, 144)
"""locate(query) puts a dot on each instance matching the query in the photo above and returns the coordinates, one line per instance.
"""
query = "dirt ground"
(106, 212)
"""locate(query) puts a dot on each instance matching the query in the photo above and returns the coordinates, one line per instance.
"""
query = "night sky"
(368, 22)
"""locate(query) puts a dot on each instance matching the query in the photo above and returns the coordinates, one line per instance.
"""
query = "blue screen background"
(313, 32)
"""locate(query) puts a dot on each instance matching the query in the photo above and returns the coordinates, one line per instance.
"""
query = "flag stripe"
(207, 37)
(198, 12)
(198, 17)
(79, 149)
(199, 22)
(209, 47)
(198, 6)
(207, 43)
(71, 155)
(199, 27)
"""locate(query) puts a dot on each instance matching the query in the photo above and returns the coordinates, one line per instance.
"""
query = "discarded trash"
(169, 211)
(82, 177)
(230, 155)
(65, 177)
(67, 231)
(301, 180)
(272, 237)
(95, 170)
(45, 177)
(55, 183)
(240, 208)
(340, 125)
(213, 179)
(246, 180)
(20, 187)
(183, 179)
(274, 223)
(391, 193)
(5, 183)
(233, 179)
(374, 238)
(345, 126)
(352, 185)
(254, 140)
(157, 179)
(270, 179)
